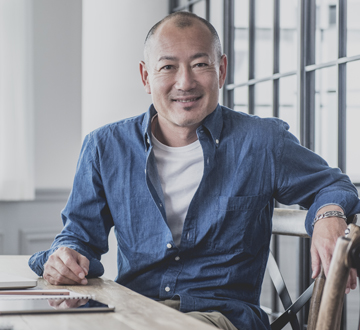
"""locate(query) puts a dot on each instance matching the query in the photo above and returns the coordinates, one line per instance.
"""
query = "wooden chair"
(345, 257)
(326, 296)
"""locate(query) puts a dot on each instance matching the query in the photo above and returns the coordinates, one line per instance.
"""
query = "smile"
(186, 100)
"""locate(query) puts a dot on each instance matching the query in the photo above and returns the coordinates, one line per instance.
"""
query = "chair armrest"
(289, 222)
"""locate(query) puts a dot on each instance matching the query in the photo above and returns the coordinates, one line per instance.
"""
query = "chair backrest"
(327, 296)
(290, 223)
(345, 257)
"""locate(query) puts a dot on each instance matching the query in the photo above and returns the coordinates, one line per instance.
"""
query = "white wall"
(57, 91)
(113, 36)
(86, 56)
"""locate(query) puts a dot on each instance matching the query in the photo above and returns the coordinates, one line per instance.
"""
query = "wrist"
(329, 214)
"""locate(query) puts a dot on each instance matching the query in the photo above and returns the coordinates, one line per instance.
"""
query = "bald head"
(183, 20)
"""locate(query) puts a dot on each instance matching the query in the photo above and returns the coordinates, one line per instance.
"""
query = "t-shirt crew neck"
(180, 171)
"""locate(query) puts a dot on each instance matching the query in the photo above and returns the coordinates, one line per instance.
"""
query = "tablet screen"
(61, 305)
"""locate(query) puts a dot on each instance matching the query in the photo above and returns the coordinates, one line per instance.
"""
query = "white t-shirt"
(180, 171)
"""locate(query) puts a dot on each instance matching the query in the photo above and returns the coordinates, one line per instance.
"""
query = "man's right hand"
(66, 266)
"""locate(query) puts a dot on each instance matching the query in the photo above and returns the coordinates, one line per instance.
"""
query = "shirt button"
(217, 141)
(160, 204)
(168, 245)
(177, 258)
(167, 289)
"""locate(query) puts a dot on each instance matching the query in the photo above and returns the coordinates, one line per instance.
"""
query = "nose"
(185, 79)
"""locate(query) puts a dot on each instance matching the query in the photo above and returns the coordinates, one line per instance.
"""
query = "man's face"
(183, 74)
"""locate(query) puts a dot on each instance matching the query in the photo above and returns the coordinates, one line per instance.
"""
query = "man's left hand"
(326, 232)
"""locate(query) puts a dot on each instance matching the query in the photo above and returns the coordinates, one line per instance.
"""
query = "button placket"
(171, 274)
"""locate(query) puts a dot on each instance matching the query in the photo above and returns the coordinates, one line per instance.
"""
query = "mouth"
(187, 100)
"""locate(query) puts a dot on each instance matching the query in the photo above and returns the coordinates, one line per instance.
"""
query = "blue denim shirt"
(220, 263)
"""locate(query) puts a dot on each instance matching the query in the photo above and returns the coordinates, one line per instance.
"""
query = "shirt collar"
(146, 126)
(213, 123)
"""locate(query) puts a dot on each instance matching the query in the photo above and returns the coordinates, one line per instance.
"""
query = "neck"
(176, 136)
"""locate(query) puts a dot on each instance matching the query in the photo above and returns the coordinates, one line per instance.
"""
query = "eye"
(200, 65)
(167, 67)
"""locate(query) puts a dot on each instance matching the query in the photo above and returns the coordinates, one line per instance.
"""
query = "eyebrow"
(174, 58)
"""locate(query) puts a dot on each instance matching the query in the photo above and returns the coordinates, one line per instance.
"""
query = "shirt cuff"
(38, 260)
(348, 201)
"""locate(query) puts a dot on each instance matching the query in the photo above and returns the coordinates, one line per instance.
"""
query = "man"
(189, 187)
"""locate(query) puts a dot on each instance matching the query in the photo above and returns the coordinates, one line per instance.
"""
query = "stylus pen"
(35, 292)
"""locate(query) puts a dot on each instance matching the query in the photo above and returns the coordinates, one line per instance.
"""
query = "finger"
(353, 279)
(54, 278)
(351, 282)
(347, 288)
(84, 263)
(325, 261)
(321, 257)
(61, 272)
(72, 268)
(315, 263)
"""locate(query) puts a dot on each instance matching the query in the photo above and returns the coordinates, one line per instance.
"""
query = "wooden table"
(132, 310)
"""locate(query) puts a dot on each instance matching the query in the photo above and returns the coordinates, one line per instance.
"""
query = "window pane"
(353, 31)
(200, 9)
(288, 110)
(325, 38)
(263, 99)
(326, 115)
(182, 2)
(241, 16)
(241, 47)
(241, 44)
(288, 35)
(352, 121)
(241, 99)
(264, 13)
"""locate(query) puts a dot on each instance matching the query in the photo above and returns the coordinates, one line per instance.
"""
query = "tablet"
(58, 305)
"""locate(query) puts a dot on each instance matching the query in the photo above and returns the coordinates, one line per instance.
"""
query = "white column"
(16, 101)
(113, 35)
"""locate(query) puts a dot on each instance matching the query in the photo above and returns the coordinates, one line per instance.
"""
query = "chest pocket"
(242, 224)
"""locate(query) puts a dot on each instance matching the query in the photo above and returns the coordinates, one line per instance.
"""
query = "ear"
(145, 77)
(222, 70)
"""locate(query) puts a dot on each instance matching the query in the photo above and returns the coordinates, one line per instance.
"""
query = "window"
(303, 73)
(298, 60)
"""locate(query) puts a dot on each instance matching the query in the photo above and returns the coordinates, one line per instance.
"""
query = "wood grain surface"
(132, 310)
